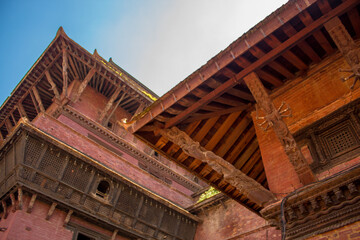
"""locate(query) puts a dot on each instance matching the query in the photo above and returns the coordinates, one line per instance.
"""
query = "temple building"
(261, 142)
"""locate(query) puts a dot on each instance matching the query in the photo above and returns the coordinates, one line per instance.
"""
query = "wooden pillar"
(274, 119)
(346, 46)
(243, 183)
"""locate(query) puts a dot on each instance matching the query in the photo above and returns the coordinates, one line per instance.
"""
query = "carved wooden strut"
(274, 118)
(244, 184)
(346, 46)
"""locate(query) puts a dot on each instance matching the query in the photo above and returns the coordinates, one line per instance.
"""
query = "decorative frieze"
(319, 207)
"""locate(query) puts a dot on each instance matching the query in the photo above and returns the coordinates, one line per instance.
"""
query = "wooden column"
(346, 46)
(274, 119)
(243, 183)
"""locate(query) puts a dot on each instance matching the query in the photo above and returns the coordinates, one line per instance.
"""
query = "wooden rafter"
(280, 48)
(51, 211)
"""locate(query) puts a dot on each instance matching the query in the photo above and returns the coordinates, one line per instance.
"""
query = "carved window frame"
(317, 136)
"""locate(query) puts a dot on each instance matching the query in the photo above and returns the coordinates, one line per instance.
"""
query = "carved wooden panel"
(333, 139)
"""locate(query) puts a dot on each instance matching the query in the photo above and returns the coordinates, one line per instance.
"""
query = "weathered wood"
(21, 110)
(13, 202)
(109, 104)
(51, 211)
(347, 47)
(280, 48)
(8, 125)
(38, 99)
(20, 198)
(244, 184)
(113, 237)
(65, 73)
(31, 203)
(53, 85)
(274, 119)
(68, 216)
(84, 83)
(114, 108)
(5, 213)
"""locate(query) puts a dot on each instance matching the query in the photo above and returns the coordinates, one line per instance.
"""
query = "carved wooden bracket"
(51, 211)
(346, 46)
(31, 203)
(243, 183)
(274, 118)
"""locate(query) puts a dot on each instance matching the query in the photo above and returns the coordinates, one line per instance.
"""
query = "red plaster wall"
(351, 231)
(233, 223)
(311, 97)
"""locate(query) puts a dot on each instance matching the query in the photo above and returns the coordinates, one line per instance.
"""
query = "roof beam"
(260, 62)
(247, 186)
(110, 103)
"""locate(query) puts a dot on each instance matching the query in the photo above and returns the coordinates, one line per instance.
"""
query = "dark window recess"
(156, 154)
(110, 125)
(103, 189)
(81, 236)
(333, 139)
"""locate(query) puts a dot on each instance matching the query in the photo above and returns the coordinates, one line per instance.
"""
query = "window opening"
(81, 236)
(103, 189)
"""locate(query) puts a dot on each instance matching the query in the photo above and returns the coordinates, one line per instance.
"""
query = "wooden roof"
(106, 77)
(213, 104)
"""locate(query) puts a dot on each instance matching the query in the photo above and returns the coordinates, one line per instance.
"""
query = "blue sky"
(159, 42)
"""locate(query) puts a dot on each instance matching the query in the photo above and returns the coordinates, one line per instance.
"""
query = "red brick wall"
(28, 226)
(233, 223)
(351, 231)
(311, 97)
(112, 161)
